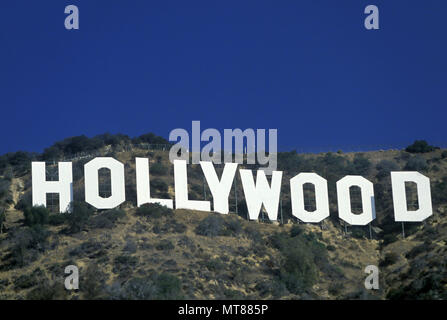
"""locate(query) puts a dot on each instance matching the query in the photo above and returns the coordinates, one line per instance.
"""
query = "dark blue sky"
(308, 68)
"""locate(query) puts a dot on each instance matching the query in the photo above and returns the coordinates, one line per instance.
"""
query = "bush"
(215, 225)
(159, 185)
(276, 288)
(232, 227)
(389, 259)
(358, 232)
(155, 287)
(296, 230)
(301, 254)
(361, 165)
(298, 271)
(92, 284)
(384, 168)
(335, 288)
(416, 163)
(90, 248)
(252, 232)
(153, 210)
(22, 204)
(19, 161)
(106, 219)
(213, 264)
(79, 216)
(416, 251)
(26, 244)
(420, 146)
(26, 281)
(211, 226)
(47, 291)
(57, 219)
(150, 138)
(36, 215)
(126, 260)
(158, 169)
(164, 245)
(440, 192)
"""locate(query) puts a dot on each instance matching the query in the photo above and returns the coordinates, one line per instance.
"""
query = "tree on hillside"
(420, 146)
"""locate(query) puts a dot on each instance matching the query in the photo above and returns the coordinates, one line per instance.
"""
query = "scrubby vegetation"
(82, 144)
(215, 225)
(153, 252)
(153, 210)
(420, 146)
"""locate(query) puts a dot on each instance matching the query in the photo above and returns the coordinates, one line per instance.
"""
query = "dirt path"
(16, 189)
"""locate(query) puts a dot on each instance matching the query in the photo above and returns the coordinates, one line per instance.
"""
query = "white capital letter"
(321, 197)
(116, 168)
(181, 190)
(401, 213)
(261, 193)
(344, 200)
(144, 186)
(41, 187)
(219, 190)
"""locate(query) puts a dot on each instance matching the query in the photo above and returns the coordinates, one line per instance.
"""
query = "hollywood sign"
(257, 194)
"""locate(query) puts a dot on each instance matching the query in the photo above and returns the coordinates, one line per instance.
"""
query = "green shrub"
(420, 146)
(301, 254)
(385, 167)
(78, 218)
(25, 281)
(90, 248)
(416, 163)
(27, 243)
(298, 271)
(105, 219)
(154, 287)
(275, 288)
(150, 138)
(158, 169)
(232, 226)
(159, 185)
(358, 232)
(126, 260)
(335, 288)
(416, 251)
(211, 226)
(296, 230)
(164, 245)
(440, 192)
(36, 215)
(213, 264)
(153, 210)
(389, 238)
(252, 232)
(57, 219)
(216, 225)
(92, 283)
(389, 259)
(361, 165)
(47, 291)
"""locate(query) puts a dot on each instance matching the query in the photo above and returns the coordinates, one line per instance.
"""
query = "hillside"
(156, 253)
